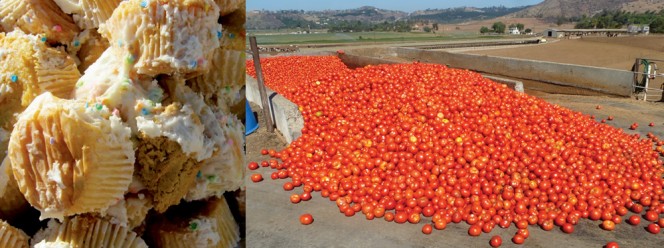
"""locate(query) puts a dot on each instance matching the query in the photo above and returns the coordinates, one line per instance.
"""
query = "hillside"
(552, 9)
(462, 14)
(261, 19)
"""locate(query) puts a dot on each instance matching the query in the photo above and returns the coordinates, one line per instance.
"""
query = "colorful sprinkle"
(52, 141)
(13, 78)
(211, 177)
(79, 83)
(116, 112)
(57, 28)
(87, 105)
(43, 39)
(231, 35)
(219, 34)
(131, 59)
(193, 225)
(144, 3)
(119, 42)
(199, 174)
(98, 106)
(193, 64)
(145, 111)
(77, 43)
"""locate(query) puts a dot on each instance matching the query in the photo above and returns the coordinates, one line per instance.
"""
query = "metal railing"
(648, 83)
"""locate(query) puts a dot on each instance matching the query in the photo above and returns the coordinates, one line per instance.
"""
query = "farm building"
(638, 29)
(514, 30)
(567, 33)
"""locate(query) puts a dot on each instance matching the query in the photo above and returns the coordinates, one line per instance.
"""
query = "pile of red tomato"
(408, 141)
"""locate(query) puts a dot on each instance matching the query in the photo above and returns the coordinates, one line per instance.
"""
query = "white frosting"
(54, 175)
(118, 213)
(181, 127)
(54, 244)
(224, 171)
(107, 81)
(206, 233)
(69, 6)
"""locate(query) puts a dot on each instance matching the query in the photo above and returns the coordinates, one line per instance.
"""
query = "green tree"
(520, 26)
(498, 27)
(427, 29)
(484, 30)
(527, 31)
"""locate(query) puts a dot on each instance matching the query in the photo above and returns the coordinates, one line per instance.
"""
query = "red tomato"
(474, 230)
(256, 177)
(288, 186)
(518, 239)
(295, 198)
(568, 228)
(253, 165)
(634, 220)
(651, 215)
(653, 228)
(306, 219)
(496, 241)
(608, 225)
(611, 245)
(263, 151)
(427, 229)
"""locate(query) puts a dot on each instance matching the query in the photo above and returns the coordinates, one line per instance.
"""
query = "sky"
(411, 5)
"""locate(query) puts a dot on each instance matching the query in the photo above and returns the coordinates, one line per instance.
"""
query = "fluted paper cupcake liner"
(68, 159)
(12, 237)
(160, 40)
(87, 231)
(39, 17)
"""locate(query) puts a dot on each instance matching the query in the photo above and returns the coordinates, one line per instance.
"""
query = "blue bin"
(250, 120)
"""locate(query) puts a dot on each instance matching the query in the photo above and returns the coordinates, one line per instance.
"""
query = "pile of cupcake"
(119, 122)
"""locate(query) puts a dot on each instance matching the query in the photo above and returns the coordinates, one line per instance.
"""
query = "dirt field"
(610, 52)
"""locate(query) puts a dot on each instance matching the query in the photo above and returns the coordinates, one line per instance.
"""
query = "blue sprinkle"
(119, 42)
(219, 34)
(13, 78)
(86, 105)
(52, 140)
(193, 64)
(77, 43)
(199, 174)
(231, 35)
(43, 39)
(145, 111)
(144, 3)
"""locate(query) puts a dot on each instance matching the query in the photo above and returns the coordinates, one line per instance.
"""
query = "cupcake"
(110, 81)
(38, 17)
(86, 231)
(224, 171)
(12, 202)
(28, 68)
(196, 224)
(88, 14)
(70, 157)
(164, 36)
(12, 237)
